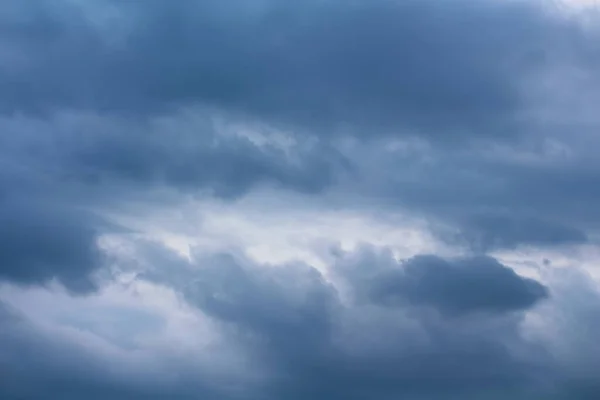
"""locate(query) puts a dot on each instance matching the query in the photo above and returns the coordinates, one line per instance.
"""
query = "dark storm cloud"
(229, 167)
(438, 68)
(371, 67)
(454, 287)
(488, 197)
(186, 151)
(426, 68)
(320, 347)
(40, 241)
(59, 172)
(43, 234)
(463, 286)
(485, 232)
(93, 99)
(290, 322)
(296, 328)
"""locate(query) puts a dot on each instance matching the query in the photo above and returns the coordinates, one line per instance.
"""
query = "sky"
(320, 199)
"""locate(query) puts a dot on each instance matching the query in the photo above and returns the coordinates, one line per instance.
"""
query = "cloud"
(375, 66)
(490, 197)
(317, 345)
(303, 337)
(454, 287)
(473, 119)
(36, 363)
(41, 241)
(311, 68)
(45, 235)
(486, 232)
(62, 174)
(186, 150)
(41, 356)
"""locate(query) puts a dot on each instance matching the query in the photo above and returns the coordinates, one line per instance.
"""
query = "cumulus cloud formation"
(455, 287)
(315, 342)
(266, 199)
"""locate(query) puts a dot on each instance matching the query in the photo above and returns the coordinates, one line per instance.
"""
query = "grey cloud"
(454, 287)
(577, 317)
(373, 66)
(39, 242)
(485, 199)
(377, 66)
(46, 233)
(185, 150)
(315, 345)
(290, 321)
(310, 342)
(36, 365)
(459, 287)
(61, 172)
(43, 236)
(485, 232)
(228, 166)
(91, 98)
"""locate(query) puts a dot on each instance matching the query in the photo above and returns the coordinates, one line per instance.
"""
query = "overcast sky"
(312, 199)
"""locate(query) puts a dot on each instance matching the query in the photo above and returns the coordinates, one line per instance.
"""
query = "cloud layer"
(327, 199)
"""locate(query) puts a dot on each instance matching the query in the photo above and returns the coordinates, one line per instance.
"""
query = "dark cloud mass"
(57, 171)
(39, 242)
(454, 287)
(486, 232)
(490, 197)
(475, 118)
(228, 166)
(297, 322)
(294, 325)
(391, 65)
(45, 235)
